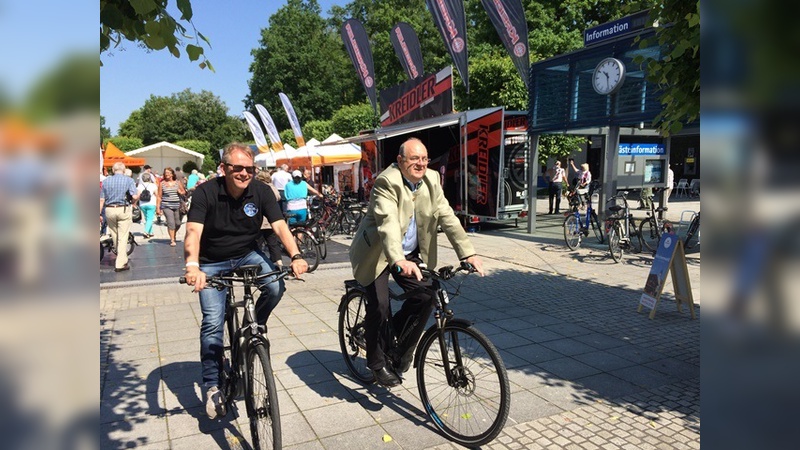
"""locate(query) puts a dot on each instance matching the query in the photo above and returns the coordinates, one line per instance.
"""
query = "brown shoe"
(123, 268)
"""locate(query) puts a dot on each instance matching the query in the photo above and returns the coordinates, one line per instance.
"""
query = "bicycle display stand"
(670, 257)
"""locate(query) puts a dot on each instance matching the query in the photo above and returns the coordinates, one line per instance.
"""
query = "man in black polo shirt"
(222, 227)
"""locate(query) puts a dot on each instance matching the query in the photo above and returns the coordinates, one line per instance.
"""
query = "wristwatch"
(297, 256)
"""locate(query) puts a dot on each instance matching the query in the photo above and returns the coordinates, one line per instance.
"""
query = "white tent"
(266, 159)
(338, 153)
(163, 154)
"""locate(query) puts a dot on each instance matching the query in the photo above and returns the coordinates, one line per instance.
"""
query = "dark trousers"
(555, 192)
(273, 245)
(378, 330)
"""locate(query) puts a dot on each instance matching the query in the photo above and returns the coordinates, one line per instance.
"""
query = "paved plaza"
(587, 371)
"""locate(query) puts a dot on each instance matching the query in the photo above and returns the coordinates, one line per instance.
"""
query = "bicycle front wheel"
(598, 230)
(614, 236)
(262, 400)
(308, 247)
(572, 232)
(650, 234)
(472, 406)
(352, 337)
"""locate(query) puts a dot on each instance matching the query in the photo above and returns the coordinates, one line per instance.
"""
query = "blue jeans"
(149, 213)
(212, 304)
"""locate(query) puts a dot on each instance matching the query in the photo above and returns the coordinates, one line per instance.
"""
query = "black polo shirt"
(231, 226)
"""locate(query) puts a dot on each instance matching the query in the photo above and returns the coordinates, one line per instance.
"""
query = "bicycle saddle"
(615, 208)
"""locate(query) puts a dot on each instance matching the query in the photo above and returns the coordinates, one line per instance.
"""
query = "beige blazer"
(378, 241)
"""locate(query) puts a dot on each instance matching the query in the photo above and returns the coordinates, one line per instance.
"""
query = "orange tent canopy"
(113, 154)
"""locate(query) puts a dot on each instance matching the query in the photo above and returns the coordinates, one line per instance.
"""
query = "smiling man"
(222, 228)
(406, 207)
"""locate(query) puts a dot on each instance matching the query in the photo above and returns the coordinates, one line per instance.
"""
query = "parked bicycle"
(307, 243)
(345, 218)
(576, 226)
(461, 377)
(107, 244)
(693, 234)
(621, 227)
(651, 228)
(246, 368)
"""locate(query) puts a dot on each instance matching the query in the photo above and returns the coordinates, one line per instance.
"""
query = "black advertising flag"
(451, 22)
(357, 45)
(406, 46)
(508, 18)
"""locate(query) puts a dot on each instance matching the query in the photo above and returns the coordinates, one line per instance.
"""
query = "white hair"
(118, 167)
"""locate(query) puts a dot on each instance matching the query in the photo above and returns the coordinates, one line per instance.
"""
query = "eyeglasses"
(418, 159)
(235, 168)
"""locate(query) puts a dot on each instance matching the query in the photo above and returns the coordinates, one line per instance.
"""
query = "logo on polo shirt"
(250, 209)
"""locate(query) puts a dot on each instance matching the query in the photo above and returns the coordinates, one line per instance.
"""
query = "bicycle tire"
(572, 232)
(650, 234)
(308, 247)
(102, 251)
(316, 230)
(131, 244)
(614, 236)
(352, 340)
(262, 400)
(692, 233)
(598, 230)
(460, 411)
(227, 373)
(634, 238)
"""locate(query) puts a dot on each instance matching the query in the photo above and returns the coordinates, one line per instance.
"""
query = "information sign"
(669, 257)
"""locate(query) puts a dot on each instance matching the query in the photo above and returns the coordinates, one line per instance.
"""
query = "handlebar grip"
(396, 269)
(182, 280)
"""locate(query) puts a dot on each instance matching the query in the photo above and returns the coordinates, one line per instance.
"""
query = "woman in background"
(168, 201)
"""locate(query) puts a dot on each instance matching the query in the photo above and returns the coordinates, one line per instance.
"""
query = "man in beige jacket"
(406, 207)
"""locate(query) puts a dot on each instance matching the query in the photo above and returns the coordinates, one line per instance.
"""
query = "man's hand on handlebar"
(299, 267)
(195, 277)
(407, 269)
(476, 262)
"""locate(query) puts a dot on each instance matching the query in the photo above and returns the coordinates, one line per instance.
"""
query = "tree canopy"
(148, 23)
(182, 116)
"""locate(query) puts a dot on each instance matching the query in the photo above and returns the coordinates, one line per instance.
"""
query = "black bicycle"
(653, 227)
(108, 244)
(621, 227)
(461, 378)
(246, 368)
(693, 233)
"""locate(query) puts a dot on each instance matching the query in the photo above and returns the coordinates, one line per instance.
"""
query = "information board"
(670, 257)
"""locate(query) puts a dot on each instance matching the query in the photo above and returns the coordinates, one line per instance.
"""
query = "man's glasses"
(235, 168)
(418, 159)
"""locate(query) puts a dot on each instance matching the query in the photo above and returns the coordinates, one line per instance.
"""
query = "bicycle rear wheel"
(650, 234)
(307, 246)
(352, 338)
(572, 232)
(472, 409)
(614, 236)
(262, 400)
(693, 234)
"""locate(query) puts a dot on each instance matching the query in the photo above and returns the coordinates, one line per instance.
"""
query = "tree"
(184, 115)
(301, 56)
(125, 143)
(349, 120)
(69, 87)
(105, 132)
(147, 23)
(677, 74)
(318, 129)
(494, 81)
(211, 160)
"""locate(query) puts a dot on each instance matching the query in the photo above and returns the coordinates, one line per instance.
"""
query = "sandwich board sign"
(669, 258)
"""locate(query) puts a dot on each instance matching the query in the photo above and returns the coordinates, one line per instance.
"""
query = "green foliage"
(494, 81)
(125, 143)
(196, 145)
(318, 129)
(301, 56)
(349, 120)
(557, 145)
(148, 23)
(189, 166)
(184, 115)
(287, 137)
(677, 74)
(105, 132)
(73, 85)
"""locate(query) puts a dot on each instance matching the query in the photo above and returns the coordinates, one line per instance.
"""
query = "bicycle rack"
(678, 226)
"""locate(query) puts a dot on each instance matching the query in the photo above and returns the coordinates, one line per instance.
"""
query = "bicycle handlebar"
(444, 273)
(226, 281)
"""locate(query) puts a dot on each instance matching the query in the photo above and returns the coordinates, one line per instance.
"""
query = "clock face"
(608, 76)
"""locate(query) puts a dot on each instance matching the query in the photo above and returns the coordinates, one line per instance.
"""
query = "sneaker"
(215, 403)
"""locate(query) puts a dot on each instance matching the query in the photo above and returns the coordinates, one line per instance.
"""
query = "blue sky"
(129, 76)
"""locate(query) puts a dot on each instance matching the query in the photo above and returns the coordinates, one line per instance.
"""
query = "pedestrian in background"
(147, 202)
(557, 179)
(168, 202)
(116, 196)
